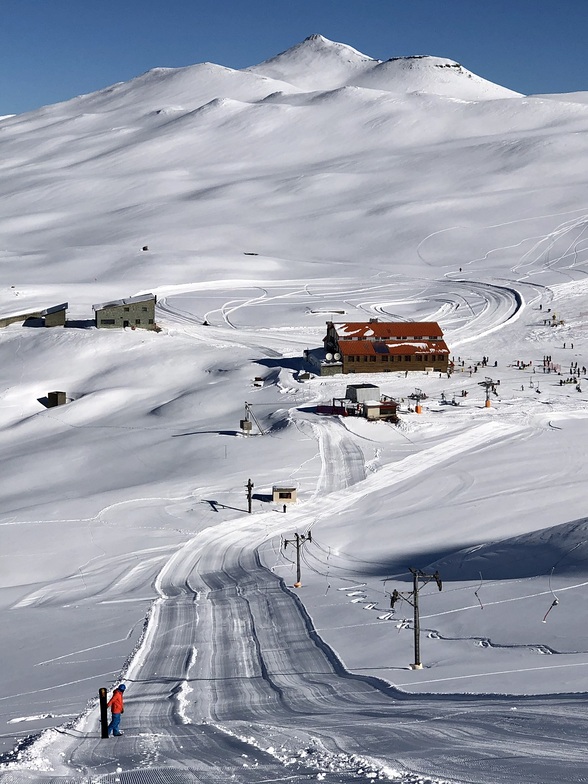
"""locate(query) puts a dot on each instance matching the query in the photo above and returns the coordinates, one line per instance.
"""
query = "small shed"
(362, 393)
(371, 409)
(56, 399)
(55, 316)
(284, 494)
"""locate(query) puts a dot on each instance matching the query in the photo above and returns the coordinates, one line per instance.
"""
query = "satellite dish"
(328, 357)
(337, 357)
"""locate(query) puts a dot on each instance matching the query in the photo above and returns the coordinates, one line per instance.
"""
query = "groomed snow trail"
(231, 683)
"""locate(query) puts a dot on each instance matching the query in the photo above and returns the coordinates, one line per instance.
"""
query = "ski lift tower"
(490, 386)
(247, 424)
(418, 395)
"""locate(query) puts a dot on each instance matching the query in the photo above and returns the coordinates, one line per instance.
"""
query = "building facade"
(384, 347)
(50, 317)
(134, 312)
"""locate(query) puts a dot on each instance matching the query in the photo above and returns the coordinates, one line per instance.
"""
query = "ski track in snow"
(199, 707)
(214, 596)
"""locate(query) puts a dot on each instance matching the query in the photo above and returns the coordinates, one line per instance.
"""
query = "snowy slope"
(321, 183)
(431, 75)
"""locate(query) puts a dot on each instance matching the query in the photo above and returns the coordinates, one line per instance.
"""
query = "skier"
(116, 705)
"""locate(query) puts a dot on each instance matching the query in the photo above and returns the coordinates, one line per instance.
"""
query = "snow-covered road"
(231, 681)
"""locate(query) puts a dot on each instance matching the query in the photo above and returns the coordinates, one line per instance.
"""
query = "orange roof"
(356, 348)
(387, 329)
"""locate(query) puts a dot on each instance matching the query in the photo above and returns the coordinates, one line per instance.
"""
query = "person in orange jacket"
(116, 705)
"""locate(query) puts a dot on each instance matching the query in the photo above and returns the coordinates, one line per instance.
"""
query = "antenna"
(328, 356)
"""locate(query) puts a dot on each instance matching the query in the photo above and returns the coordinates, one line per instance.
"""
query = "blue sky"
(52, 50)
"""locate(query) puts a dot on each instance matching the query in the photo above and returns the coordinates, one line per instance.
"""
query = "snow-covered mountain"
(316, 64)
(434, 75)
(320, 64)
(201, 160)
(319, 184)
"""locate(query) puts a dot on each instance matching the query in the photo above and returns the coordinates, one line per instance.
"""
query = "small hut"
(284, 494)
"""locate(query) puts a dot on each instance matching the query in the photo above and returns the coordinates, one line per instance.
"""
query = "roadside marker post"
(102, 694)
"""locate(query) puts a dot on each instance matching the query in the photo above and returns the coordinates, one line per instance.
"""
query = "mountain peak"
(316, 63)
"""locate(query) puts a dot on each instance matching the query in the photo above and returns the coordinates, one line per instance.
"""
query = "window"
(419, 357)
(407, 359)
(126, 310)
(107, 321)
(137, 321)
(151, 321)
(372, 359)
(352, 359)
(385, 358)
(144, 310)
(284, 494)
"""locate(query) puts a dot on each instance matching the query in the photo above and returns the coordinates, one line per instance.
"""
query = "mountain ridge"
(314, 65)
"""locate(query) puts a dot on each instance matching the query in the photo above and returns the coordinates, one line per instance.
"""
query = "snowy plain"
(320, 185)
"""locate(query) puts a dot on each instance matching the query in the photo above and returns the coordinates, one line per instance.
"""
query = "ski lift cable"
(476, 591)
(555, 601)
(277, 552)
(550, 588)
(327, 579)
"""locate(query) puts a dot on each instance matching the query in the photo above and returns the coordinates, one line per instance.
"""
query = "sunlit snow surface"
(320, 185)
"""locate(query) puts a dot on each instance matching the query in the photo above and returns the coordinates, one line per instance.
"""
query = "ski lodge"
(135, 312)
(382, 347)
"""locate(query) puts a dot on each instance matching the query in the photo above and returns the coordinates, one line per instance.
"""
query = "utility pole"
(413, 599)
(249, 487)
(298, 541)
(416, 621)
